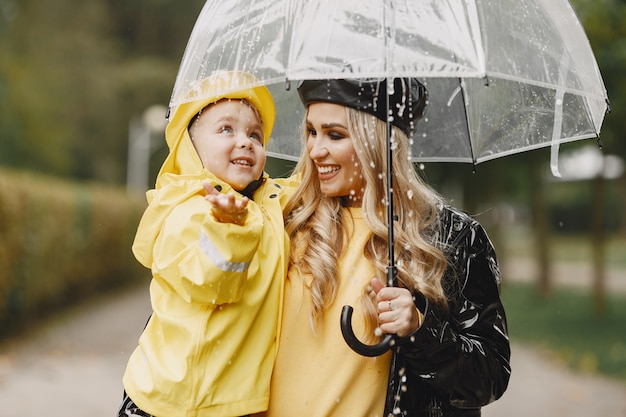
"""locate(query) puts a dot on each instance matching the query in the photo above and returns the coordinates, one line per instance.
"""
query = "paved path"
(577, 275)
(72, 367)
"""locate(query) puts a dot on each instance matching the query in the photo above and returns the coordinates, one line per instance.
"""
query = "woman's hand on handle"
(397, 313)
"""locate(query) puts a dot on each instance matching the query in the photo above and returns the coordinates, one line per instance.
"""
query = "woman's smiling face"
(330, 147)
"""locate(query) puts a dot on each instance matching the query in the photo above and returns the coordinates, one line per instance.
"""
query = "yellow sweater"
(318, 375)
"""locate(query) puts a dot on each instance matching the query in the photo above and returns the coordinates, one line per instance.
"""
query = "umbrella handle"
(355, 344)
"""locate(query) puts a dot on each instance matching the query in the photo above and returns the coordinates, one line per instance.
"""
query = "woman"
(452, 351)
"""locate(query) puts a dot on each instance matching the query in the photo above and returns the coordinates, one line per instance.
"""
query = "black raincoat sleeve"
(461, 356)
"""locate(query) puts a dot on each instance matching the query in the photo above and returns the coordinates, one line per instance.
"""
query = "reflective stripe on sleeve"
(216, 257)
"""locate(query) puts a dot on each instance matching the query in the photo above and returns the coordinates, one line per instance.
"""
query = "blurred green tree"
(72, 75)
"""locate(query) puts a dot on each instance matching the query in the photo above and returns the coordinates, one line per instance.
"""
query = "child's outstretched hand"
(225, 207)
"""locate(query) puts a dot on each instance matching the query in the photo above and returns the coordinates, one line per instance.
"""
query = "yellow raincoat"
(210, 344)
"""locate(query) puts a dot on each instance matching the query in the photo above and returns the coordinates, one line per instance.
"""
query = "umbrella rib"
(469, 131)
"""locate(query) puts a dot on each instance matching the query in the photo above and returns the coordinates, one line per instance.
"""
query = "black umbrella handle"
(358, 346)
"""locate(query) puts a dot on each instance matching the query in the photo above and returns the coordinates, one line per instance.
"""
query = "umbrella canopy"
(503, 76)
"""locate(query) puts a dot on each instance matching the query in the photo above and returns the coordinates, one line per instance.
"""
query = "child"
(214, 239)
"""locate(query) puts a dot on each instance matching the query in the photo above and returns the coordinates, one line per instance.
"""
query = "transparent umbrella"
(503, 76)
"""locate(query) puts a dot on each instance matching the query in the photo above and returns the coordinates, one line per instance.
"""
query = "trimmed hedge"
(61, 242)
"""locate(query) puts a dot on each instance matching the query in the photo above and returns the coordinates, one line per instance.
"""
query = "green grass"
(566, 326)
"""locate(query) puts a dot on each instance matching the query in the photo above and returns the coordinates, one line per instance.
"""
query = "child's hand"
(225, 207)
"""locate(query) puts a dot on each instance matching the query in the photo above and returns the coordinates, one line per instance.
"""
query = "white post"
(141, 145)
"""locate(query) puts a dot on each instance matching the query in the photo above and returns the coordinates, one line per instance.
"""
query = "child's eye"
(257, 136)
(226, 129)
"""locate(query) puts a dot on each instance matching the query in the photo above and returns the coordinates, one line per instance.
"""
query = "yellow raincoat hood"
(183, 158)
(182, 173)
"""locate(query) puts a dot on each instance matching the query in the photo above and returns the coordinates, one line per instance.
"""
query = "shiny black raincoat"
(458, 360)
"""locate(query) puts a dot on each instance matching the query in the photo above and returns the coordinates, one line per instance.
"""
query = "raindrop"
(378, 332)
(372, 164)
(559, 102)
(409, 194)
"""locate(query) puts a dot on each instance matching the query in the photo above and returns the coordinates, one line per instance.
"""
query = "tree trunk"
(623, 206)
(540, 223)
(598, 244)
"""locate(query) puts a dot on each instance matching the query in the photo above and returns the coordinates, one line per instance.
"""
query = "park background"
(80, 83)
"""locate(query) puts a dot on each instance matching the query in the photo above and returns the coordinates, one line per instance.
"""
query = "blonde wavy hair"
(317, 225)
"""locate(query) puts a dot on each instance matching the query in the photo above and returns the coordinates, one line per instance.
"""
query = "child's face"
(228, 137)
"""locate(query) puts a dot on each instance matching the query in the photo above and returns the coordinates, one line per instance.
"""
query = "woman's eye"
(311, 132)
(336, 135)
